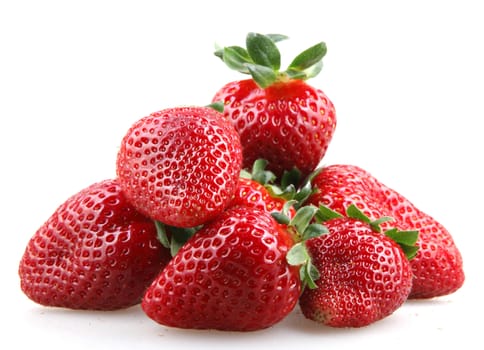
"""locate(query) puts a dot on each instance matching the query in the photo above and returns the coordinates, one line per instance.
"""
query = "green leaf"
(312, 175)
(325, 214)
(306, 74)
(354, 212)
(309, 274)
(259, 165)
(296, 74)
(263, 51)
(313, 272)
(218, 106)
(274, 190)
(302, 195)
(287, 194)
(410, 251)
(262, 75)
(245, 174)
(406, 240)
(291, 177)
(281, 218)
(219, 51)
(179, 236)
(297, 255)
(277, 37)
(306, 189)
(161, 234)
(403, 237)
(237, 58)
(287, 206)
(308, 58)
(260, 174)
(314, 70)
(264, 177)
(314, 231)
(375, 224)
(303, 217)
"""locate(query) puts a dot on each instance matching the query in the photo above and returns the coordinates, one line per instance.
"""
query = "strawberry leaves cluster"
(304, 230)
(262, 59)
(221, 217)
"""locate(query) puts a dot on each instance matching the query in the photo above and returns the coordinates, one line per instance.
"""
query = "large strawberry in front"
(180, 165)
(279, 116)
(231, 275)
(94, 252)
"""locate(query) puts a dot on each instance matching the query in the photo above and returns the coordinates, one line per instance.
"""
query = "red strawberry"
(95, 252)
(231, 275)
(180, 166)
(437, 268)
(278, 115)
(364, 275)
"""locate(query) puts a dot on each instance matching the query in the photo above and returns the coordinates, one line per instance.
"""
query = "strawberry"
(231, 275)
(364, 275)
(437, 268)
(180, 165)
(278, 115)
(95, 252)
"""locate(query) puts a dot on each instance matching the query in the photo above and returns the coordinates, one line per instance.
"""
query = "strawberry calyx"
(325, 214)
(172, 237)
(217, 105)
(259, 173)
(268, 179)
(405, 239)
(302, 228)
(287, 188)
(303, 188)
(262, 59)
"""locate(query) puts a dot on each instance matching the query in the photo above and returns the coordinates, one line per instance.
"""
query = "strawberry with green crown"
(243, 271)
(438, 266)
(279, 116)
(365, 275)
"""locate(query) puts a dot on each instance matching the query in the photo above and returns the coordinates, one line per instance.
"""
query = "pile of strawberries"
(219, 217)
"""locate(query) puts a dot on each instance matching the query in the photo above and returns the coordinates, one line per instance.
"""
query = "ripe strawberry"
(95, 252)
(364, 275)
(231, 275)
(278, 115)
(180, 166)
(437, 268)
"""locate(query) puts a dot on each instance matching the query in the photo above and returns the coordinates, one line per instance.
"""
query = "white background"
(406, 79)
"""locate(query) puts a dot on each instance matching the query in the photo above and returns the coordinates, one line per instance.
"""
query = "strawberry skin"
(95, 252)
(437, 268)
(181, 165)
(364, 276)
(231, 275)
(252, 194)
(290, 123)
